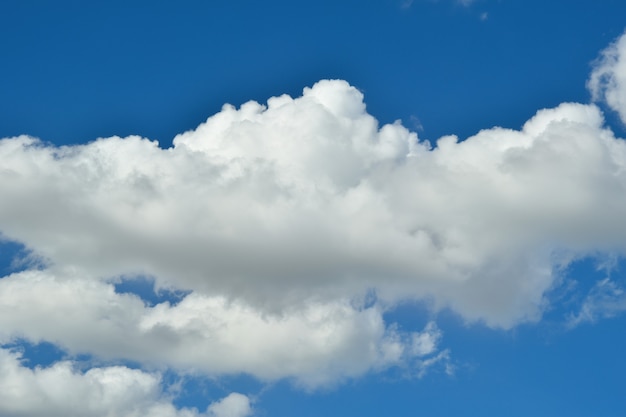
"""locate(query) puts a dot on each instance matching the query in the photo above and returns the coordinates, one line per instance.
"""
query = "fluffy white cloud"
(316, 343)
(234, 405)
(63, 391)
(307, 199)
(608, 78)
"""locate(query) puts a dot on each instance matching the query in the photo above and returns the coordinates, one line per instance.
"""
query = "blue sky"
(406, 208)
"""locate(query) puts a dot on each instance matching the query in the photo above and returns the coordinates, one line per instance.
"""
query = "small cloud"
(416, 124)
(442, 358)
(484, 16)
(425, 343)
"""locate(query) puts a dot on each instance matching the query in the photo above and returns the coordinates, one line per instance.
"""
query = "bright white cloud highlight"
(62, 391)
(608, 79)
(606, 299)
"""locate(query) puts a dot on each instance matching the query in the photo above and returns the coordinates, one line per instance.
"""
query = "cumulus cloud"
(62, 391)
(234, 405)
(608, 78)
(309, 199)
(314, 344)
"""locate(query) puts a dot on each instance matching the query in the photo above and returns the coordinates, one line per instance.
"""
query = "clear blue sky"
(521, 313)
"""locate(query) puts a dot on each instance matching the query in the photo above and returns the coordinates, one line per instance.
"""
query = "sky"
(315, 208)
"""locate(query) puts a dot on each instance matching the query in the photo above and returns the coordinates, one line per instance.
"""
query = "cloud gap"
(146, 289)
(33, 355)
(16, 257)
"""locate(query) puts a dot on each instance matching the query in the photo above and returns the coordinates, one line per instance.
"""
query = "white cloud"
(406, 4)
(442, 357)
(608, 78)
(426, 342)
(234, 405)
(314, 344)
(61, 390)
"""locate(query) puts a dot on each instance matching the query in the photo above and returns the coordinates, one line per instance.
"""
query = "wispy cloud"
(234, 405)
(608, 79)
(606, 299)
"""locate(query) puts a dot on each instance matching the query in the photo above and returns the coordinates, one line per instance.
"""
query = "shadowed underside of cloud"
(280, 219)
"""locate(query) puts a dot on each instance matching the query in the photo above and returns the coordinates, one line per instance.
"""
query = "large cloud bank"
(293, 226)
